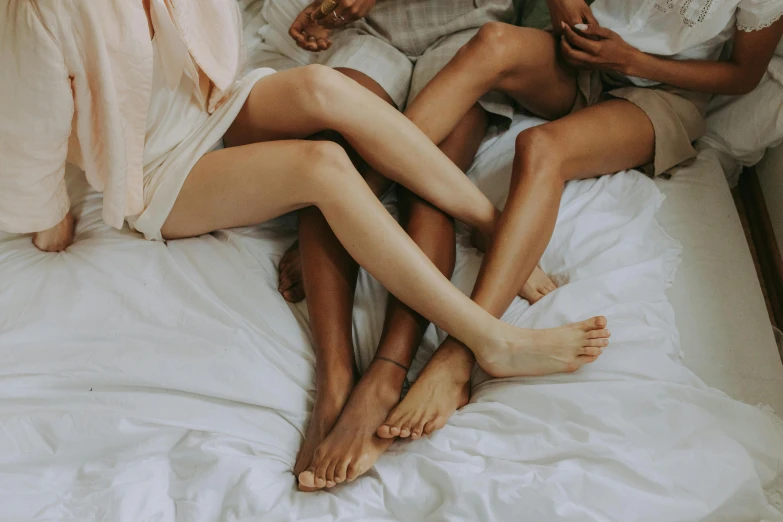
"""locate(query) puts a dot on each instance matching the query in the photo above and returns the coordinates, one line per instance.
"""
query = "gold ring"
(328, 6)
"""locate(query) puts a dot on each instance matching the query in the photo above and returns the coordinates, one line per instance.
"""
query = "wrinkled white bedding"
(144, 382)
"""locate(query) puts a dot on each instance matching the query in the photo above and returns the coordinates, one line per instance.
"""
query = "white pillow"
(744, 127)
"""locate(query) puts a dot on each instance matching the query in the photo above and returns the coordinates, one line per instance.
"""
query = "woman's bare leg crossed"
(606, 138)
(256, 179)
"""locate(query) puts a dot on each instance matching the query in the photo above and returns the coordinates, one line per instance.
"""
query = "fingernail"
(581, 27)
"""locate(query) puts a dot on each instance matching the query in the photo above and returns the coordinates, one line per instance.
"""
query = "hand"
(57, 238)
(570, 12)
(598, 49)
(346, 12)
(307, 33)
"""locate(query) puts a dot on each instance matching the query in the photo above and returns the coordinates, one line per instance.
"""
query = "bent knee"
(318, 85)
(540, 152)
(493, 44)
(325, 157)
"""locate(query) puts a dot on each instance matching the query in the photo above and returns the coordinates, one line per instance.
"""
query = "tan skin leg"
(611, 136)
(352, 447)
(329, 279)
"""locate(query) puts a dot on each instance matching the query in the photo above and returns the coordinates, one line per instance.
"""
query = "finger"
(323, 44)
(580, 41)
(575, 56)
(324, 10)
(347, 12)
(597, 30)
(296, 32)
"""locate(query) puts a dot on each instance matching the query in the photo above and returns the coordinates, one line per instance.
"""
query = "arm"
(739, 75)
(36, 111)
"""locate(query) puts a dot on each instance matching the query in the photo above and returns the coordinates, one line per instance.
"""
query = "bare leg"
(251, 184)
(329, 277)
(353, 447)
(606, 138)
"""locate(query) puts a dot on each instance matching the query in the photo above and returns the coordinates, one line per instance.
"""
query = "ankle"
(335, 386)
(385, 376)
(455, 358)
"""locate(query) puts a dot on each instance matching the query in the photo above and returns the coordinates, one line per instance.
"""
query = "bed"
(151, 382)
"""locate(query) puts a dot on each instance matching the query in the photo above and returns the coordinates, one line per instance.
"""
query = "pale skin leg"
(250, 184)
(252, 181)
(611, 136)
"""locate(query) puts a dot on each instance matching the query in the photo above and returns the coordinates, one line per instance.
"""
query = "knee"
(318, 85)
(539, 155)
(493, 44)
(328, 164)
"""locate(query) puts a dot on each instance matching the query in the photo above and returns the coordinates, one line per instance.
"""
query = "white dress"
(684, 29)
(180, 130)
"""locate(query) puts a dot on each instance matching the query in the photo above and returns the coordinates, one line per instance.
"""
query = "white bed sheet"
(145, 382)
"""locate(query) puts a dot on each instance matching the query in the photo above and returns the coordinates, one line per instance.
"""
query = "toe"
(596, 323)
(599, 334)
(294, 294)
(307, 479)
(341, 471)
(405, 431)
(597, 343)
(329, 476)
(418, 427)
(587, 359)
(592, 351)
(359, 466)
(384, 431)
(435, 424)
(354, 470)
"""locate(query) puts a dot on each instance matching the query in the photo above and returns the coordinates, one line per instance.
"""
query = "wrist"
(635, 64)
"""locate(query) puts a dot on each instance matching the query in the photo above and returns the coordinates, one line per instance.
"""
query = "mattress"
(143, 381)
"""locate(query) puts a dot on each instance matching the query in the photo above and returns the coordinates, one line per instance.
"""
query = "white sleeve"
(753, 15)
(36, 112)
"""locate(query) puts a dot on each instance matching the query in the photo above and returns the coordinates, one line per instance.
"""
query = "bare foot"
(442, 388)
(352, 447)
(57, 238)
(290, 284)
(543, 352)
(326, 411)
(537, 286)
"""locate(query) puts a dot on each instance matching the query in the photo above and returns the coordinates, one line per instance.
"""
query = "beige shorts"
(677, 115)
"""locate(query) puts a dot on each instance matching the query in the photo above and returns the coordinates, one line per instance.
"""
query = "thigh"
(605, 138)
(242, 186)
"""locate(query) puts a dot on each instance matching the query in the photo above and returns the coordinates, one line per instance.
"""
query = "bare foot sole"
(352, 447)
(322, 420)
(290, 284)
(442, 388)
(537, 286)
(543, 352)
